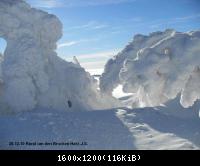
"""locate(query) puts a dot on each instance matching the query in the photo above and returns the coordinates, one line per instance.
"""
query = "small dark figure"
(69, 103)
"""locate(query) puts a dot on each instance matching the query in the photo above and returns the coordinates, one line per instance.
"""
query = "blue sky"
(94, 30)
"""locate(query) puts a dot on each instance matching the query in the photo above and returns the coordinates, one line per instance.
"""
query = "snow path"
(100, 129)
(153, 130)
(105, 129)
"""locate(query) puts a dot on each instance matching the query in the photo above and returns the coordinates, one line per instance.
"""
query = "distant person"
(69, 103)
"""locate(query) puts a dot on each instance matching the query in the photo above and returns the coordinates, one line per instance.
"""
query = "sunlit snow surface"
(104, 129)
(50, 82)
(118, 92)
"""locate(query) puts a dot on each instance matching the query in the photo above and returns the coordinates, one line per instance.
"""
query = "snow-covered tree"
(158, 67)
(33, 75)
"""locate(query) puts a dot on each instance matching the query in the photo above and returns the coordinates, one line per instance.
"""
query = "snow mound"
(157, 68)
(151, 129)
(32, 75)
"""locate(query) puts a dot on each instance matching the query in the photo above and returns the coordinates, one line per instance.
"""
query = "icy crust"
(32, 75)
(158, 67)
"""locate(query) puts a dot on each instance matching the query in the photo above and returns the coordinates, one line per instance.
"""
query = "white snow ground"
(151, 129)
(122, 128)
(100, 129)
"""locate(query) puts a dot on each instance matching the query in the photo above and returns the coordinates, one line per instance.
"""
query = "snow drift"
(32, 75)
(157, 68)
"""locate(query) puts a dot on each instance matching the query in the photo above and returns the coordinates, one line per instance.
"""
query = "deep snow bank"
(32, 75)
(157, 68)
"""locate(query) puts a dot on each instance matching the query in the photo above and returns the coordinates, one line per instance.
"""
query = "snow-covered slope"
(151, 129)
(157, 68)
(33, 76)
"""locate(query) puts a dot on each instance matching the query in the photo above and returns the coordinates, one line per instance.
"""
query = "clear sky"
(94, 30)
